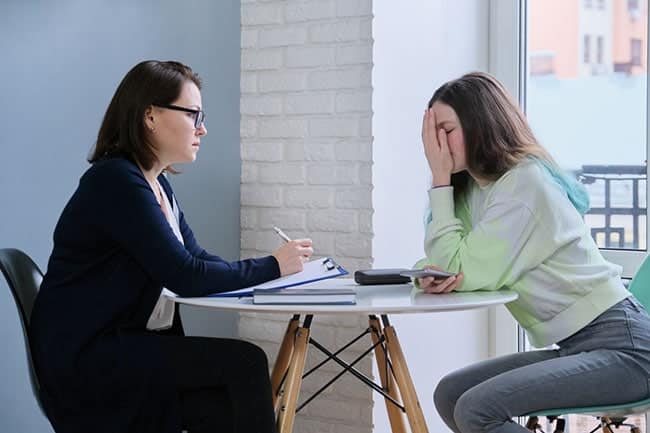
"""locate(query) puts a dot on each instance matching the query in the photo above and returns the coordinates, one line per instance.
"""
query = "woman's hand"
(436, 150)
(292, 255)
(439, 285)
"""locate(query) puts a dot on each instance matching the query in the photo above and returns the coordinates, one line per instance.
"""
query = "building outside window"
(599, 50)
(635, 52)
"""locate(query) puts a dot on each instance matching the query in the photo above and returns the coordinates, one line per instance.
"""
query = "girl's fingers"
(432, 127)
(425, 127)
(449, 285)
(429, 128)
(457, 280)
(442, 140)
(434, 287)
(441, 286)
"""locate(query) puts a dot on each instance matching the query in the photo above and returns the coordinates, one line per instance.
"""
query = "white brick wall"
(306, 150)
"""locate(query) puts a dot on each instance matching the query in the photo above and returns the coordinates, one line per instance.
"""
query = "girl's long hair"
(497, 135)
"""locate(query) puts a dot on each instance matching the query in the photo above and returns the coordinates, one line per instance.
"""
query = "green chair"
(612, 415)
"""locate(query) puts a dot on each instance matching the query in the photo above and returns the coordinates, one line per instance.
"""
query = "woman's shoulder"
(111, 170)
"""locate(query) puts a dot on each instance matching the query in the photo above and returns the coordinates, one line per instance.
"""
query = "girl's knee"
(476, 412)
(448, 390)
(444, 398)
(468, 414)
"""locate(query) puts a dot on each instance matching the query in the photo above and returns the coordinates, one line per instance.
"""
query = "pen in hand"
(282, 234)
(292, 254)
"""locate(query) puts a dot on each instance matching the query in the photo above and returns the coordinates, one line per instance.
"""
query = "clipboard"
(314, 270)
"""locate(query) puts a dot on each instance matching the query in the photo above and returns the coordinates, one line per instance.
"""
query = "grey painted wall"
(60, 62)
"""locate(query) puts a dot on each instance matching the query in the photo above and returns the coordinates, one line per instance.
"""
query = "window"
(635, 52)
(588, 4)
(610, 162)
(634, 9)
(599, 50)
(542, 64)
(601, 4)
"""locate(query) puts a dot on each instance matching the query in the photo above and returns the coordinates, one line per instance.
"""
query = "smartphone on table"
(423, 273)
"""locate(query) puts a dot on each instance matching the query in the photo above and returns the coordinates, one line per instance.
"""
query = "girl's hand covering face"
(436, 149)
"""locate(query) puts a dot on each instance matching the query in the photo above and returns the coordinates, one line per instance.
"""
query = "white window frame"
(506, 48)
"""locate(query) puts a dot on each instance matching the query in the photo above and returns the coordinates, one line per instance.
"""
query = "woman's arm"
(127, 211)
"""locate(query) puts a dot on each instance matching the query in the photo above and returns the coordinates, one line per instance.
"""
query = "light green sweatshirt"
(522, 233)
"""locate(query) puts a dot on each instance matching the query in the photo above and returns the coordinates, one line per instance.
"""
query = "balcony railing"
(602, 181)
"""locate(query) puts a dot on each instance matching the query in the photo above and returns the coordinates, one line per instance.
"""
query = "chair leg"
(560, 424)
(533, 424)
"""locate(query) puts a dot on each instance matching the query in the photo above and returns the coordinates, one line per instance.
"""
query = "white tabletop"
(380, 299)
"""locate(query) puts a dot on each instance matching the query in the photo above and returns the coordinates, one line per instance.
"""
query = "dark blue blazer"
(100, 369)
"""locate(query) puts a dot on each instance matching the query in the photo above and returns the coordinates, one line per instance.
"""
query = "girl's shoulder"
(527, 182)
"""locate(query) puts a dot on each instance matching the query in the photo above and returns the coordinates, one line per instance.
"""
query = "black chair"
(24, 279)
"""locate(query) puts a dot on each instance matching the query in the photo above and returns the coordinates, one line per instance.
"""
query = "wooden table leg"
(405, 383)
(386, 376)
(293, 382)
(281, 365)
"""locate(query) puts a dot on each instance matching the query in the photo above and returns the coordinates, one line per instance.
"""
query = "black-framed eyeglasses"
(199, 115)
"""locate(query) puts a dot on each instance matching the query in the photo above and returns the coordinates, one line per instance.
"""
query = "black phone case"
(381, 276)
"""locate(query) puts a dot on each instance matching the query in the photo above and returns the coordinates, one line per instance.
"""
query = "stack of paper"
(304, 296)
(315, 270)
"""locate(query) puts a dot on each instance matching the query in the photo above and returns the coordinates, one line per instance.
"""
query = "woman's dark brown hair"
(123, 132)
(497, 136)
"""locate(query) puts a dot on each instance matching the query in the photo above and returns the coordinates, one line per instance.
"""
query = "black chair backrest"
(24, 279)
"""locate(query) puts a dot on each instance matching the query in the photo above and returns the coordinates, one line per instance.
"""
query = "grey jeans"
(607, 362)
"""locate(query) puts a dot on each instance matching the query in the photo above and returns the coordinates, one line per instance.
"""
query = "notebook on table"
(304, 296)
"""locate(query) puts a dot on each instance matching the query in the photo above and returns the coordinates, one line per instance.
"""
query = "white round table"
(381, 300)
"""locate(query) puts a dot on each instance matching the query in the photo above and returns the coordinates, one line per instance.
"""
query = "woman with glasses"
(108, 346)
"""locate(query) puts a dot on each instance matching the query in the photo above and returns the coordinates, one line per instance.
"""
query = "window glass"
(585, 93)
